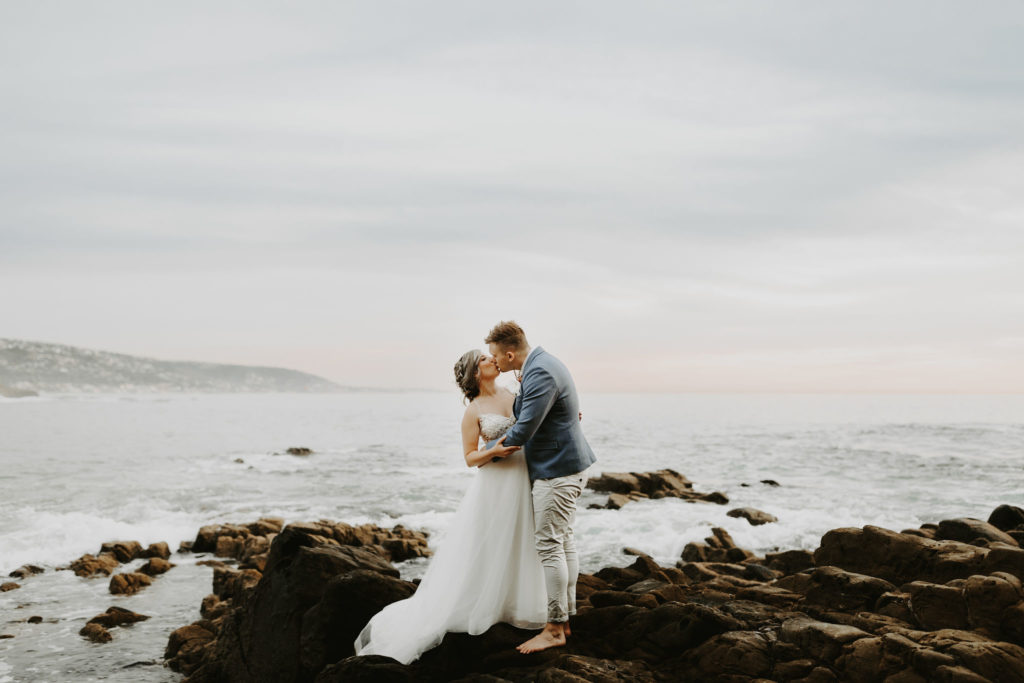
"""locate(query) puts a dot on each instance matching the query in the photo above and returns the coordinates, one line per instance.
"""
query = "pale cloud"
(731, 196)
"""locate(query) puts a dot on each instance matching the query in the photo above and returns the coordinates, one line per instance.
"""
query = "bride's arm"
(471, 442)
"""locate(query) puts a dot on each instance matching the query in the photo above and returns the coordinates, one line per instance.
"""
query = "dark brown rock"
(789, 561)
(624, 487)
(754, 516)
(117, 616)
(128, 583)
(88, 565)
(967, 530)
(987, 598)
(349, 601)
(96, 633)
(124, 551)
(368, 669)
(187, 646)
(156, 566)
(937, 606)
(819, 639)
(26, 570)
(902, 558)
(159, 549)
(1006, 517)
(299, 450)
(8, 586)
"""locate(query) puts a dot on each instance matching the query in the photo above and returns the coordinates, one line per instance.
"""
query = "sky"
(670, 197)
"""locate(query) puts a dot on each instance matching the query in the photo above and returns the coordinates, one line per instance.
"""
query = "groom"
(548, 427)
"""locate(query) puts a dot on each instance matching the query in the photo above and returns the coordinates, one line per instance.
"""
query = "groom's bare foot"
(551, 636)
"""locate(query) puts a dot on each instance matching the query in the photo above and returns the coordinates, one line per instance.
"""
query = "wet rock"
(262, 637)
(117, 616)
(128, 583)
(368, 669)
(299, 450)
(159, 549)
(91, 565)
(96, 633)
(968, 530)
(36, 619)
(8, 586)
(987, 599)
(124, 551)
(156, 566)
(718, 547)
(754, 516)
(349, 601)
(936, 606)
(819, 639)
(837, 588)
(735, 653)
(624, 487)
(1006, 517)
(789, 561)
(187, 646)
(26, 570)
(902, 558)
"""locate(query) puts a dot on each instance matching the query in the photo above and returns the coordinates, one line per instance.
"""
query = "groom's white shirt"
(526, 359)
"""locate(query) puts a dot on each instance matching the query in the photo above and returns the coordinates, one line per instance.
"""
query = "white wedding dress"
(486, 569)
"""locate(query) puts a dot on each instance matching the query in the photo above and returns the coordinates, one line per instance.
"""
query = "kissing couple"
(510, 554)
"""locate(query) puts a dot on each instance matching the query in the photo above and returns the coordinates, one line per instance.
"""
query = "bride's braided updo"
(467, 375)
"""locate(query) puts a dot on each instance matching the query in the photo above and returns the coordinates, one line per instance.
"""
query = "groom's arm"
(539, 394)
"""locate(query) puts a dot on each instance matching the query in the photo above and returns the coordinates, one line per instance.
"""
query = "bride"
(486, 569)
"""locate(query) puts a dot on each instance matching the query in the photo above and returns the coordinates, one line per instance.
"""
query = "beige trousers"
(554, 513)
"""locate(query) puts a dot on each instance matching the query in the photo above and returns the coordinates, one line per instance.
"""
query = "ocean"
(79, 470)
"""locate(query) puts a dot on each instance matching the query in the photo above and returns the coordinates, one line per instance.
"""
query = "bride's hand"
(499, 451)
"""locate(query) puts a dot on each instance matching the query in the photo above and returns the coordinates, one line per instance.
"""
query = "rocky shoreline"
(943, 602)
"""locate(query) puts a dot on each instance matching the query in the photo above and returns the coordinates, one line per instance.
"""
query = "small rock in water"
(770, 482)
(754, 516)
(35, 619)
(6, 635)
(129, 583)
(96, 633)
(161, 550)
(117, 616)
(124, 551)
(240, 461)
(156, 565)
(299, 450)
(26, 570)
(8, 586)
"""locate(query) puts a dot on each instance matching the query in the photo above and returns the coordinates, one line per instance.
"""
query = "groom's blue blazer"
(547, 420)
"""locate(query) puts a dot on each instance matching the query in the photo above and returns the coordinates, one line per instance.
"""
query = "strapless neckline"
(493, 425)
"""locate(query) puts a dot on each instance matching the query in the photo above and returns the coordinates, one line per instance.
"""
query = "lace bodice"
(493, 425)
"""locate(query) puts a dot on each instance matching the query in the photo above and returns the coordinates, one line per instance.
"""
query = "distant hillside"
(27, 366)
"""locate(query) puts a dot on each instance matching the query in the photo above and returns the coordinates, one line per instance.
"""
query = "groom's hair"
(507, 335)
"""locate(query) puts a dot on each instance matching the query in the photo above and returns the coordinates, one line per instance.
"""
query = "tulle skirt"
(486, 570)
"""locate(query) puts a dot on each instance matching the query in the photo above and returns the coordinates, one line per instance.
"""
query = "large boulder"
(968, 530)
(1006, 517)
(261, 639)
